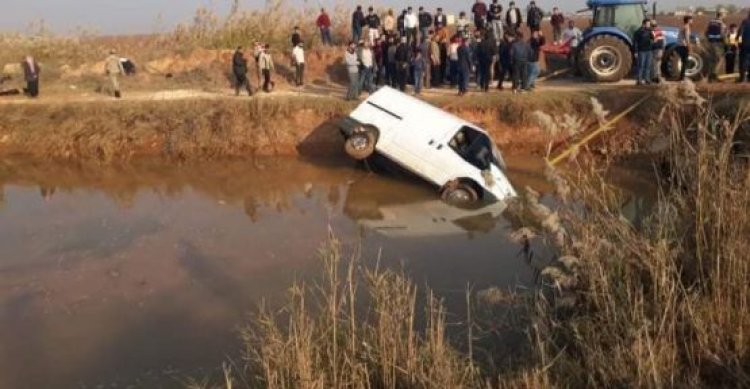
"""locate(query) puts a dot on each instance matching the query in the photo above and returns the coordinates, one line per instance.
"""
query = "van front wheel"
(459, 194)
(360, 145)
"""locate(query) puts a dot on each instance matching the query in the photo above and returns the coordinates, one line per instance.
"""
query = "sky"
(148, 16)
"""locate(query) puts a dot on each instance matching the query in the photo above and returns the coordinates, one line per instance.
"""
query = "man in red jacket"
(324, 24)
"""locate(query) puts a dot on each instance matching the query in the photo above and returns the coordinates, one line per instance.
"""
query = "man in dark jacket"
(372, 21)
(520, 52)
(643, 42)
(401, 21)
(464, 67)
(358, 21)
(31, 75)
(239, 68)
(744, 34)
(425, 23)
(480, 14)
(504, 65)
(296, 37)
(534, 17)
(440, 19)
(513, 17)
(486, 52)
(403, 61)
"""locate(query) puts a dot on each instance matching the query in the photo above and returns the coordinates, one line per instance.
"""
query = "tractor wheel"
(360, 145)
(673, 64)
(605, 58)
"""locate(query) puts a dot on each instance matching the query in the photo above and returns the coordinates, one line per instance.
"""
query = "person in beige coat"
(114, 69)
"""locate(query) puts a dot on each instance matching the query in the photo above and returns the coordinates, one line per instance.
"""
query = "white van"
(453, 154)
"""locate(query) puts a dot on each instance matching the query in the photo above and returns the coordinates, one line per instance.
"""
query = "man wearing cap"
(715, 32)
(114, 69)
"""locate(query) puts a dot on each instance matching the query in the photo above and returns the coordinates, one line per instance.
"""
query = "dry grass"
(664, 303)
(180, 129)
(355, 329)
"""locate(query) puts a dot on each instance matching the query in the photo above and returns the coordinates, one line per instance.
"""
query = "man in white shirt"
(366, 71)
(411, 22)
(572, 36)
(298, 60)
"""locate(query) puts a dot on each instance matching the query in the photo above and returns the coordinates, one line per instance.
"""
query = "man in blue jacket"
(643, 40)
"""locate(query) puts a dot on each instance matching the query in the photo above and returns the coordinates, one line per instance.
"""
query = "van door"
(418, 151)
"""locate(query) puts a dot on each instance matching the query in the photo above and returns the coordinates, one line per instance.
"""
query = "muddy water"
(140, 275)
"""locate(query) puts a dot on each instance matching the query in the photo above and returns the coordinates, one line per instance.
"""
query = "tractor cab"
(626, 16)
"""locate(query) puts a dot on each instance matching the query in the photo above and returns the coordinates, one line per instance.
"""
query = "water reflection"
(139, 274)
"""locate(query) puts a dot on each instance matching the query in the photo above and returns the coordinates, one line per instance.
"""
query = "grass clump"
(355, 329)
(664, 302)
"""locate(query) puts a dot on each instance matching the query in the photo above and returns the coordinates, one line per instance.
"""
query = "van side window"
(474, 147)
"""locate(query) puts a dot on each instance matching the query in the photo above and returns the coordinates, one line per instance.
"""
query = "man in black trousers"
(31, 75)
(239, 68)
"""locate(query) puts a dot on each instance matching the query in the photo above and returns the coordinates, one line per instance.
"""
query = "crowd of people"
(420, 49)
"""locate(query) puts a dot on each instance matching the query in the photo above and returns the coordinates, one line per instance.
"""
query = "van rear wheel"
(360, 145)
(459, 194)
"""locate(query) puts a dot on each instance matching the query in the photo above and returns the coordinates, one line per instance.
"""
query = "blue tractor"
(606, 53)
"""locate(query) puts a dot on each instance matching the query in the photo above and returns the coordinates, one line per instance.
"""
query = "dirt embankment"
(194, 129)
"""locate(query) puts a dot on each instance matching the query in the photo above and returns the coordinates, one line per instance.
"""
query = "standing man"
(419, 71)
(536, 42)
(31, 75)
(496, 19)
(403, 61)
(684, 45)
(572, 36)
(267, 67)
(643, 42)
(441, 21)
(426, 49)
(373, 26)
(731, 49)
(114, 69)
(352, 68)
(367, 62)
(513, 18)
(239, 68)
(480, 14)
(534, 17)
(462, 25)
(486, 52)
(392, 66)
(658, 51)
(745, 50)
(389, 23)
(358, 21)
(401, 22)
(464, 67)
(557, 20)
(442, 38)
(504, 66)
(425, 22)
(298, 60)
(715, 32)
(296, 37)
(411, 23)
(520, 52)
(324, 25)
(435, 62)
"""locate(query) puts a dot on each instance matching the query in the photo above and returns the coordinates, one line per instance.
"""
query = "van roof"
(408, 107)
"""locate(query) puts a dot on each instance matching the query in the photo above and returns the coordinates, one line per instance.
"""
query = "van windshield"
(475, 148)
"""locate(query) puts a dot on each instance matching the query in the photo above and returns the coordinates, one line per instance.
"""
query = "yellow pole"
(604, 127)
